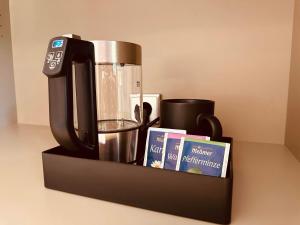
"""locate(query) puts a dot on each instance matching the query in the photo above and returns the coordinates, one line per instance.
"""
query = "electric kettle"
(95, 96)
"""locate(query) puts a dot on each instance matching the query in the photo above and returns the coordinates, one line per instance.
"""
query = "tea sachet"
(203, 157)
(154, 146)
(171, 148)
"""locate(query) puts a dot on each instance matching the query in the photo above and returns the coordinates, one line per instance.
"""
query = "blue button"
(57, 43)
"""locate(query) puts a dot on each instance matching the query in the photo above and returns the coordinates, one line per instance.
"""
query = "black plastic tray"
(189, 195)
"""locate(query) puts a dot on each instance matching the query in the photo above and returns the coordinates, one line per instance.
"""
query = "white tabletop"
(266, 188)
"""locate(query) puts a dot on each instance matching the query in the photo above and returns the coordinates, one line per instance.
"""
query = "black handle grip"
(59, 71)
(213, 122)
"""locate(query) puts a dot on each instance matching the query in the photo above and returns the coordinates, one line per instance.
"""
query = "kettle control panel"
(54, 56)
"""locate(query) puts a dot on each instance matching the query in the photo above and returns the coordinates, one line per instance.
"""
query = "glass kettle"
(95, 96)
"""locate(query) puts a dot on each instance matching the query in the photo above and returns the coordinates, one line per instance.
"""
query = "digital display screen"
(57, 43)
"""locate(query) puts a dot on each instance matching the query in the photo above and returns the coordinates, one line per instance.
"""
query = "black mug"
(196, 116)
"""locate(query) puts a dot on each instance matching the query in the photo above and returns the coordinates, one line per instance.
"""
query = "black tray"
(189, 195)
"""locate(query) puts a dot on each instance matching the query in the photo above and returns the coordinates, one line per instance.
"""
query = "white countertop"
(266, 188)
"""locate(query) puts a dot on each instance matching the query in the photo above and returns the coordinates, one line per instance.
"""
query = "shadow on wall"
(7, 89)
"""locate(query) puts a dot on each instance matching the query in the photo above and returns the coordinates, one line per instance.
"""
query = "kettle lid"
(109, 52)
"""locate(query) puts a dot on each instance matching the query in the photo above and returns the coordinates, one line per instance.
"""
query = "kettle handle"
(60, 81)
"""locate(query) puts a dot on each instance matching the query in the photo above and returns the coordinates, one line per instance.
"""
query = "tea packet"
(171, 148)
(203, 157)
(154, 145)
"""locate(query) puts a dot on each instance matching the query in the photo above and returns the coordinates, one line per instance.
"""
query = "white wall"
(7, 90)
(235, 52)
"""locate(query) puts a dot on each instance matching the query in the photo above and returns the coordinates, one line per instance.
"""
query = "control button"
(58, 55)
(52, 65)
(50, 56)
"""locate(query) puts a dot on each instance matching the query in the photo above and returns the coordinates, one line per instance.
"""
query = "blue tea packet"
(171, 148)
(154, 146)
(203, 157)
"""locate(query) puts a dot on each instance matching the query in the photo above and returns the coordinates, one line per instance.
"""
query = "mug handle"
(214, 123)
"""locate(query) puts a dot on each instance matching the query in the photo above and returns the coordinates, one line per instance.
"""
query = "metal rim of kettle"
(117, 52)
